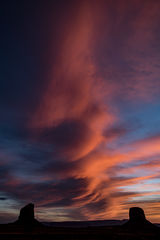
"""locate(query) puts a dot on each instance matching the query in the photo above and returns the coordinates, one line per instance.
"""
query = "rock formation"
(136, 214)
(26, 216)
(137, 219)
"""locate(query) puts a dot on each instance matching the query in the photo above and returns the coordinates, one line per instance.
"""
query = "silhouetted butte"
(137, 220)
(26, 216)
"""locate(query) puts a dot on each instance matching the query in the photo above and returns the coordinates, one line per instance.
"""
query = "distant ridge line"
(94, 223)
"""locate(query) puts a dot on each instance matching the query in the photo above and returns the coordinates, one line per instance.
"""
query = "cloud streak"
(78, 145)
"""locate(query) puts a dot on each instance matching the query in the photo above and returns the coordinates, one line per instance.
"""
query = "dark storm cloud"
(3, 198)
(67, 190)
(67, 134)
(59, 167)
(68, 137)
(48, 194)
(97, 206)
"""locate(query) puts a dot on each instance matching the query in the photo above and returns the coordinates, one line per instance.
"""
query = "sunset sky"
(80, 108)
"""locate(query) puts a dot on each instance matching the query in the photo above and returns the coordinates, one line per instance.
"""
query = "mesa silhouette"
(26, 216)
(137, 220)
(27, 227)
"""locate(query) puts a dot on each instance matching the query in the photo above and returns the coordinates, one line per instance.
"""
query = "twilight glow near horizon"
(80, 108)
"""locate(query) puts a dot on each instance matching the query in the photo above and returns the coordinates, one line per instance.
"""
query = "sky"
(80, 108)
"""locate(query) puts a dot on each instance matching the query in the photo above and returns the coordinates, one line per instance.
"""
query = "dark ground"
(11, 231)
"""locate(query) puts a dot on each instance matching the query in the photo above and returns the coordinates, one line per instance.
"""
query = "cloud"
(72, 138)
(3, 198)
(63, 145)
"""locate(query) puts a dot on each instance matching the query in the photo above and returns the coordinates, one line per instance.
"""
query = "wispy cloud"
(69, 143)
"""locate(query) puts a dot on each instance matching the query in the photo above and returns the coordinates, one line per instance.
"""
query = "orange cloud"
(75, 109)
